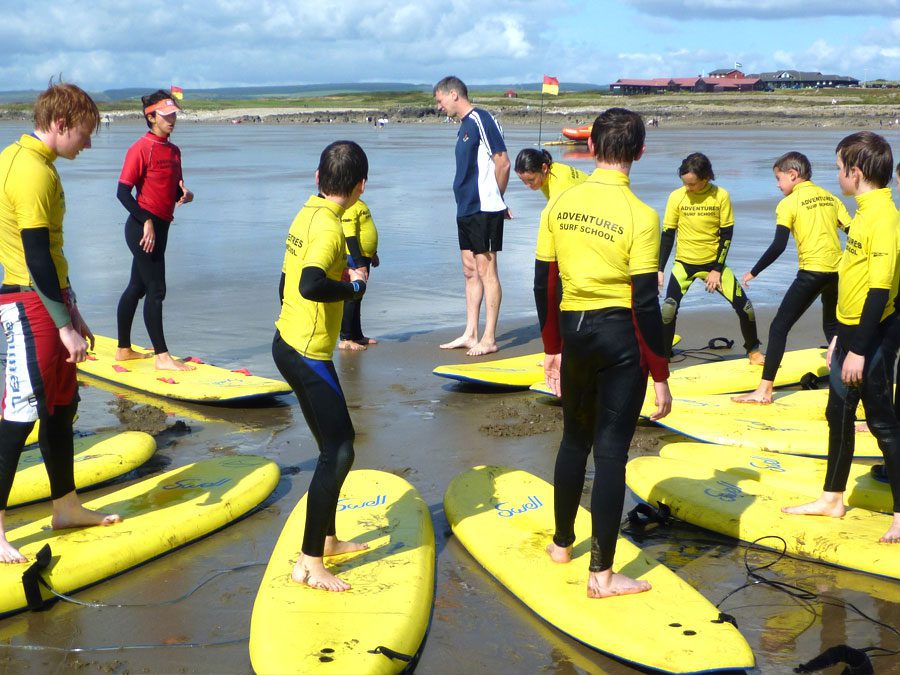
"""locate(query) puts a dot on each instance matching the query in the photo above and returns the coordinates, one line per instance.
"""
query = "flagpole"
(541, 122)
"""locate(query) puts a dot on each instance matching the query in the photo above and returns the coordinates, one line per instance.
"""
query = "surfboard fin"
(32, 580)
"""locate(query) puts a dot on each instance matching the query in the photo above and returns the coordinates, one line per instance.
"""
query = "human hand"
(361, 272)
(830, 352)
(186, 195)
(148, 241)
(663, 400)
(74, 344)
(552, 364)
(852, 370)
(375, 260)
(713, 281)
(659, 280)
(746, 279)
(80, 325)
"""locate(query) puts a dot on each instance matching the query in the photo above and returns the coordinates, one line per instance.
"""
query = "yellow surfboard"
(297, 629)
(160, 513)
(803, 475)
(737, 506)
(809, 405)
(205, 384)
(98, 458)
(504, 518)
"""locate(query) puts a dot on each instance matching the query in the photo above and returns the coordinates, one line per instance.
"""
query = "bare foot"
(9, 554)
(128, 354)
(758, 397)
(366, 341)
(164, 361)
(861, 428)
(756, 358)
(351, 346)
(482, 348)
(892, 536)
(606, 584)
(558, 554)
(462, 342)
(829, 504)
(81, 517)
(311, 571)
(334, 546)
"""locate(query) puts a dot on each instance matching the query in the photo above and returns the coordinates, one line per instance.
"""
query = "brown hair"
(618, 136)
(452, 83)
(698, 164)
(868, 152)
(67, 102)
(342, 165)
(794, 161)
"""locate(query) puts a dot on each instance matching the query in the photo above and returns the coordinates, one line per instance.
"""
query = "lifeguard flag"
(551, 86)
(177, 92)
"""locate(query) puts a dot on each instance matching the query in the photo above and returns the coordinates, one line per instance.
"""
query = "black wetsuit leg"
(603, 389)
(325, 410)
(57, 444)
(876, 393)
(731, 290)
(351, 323)
(12, 440)
(799, 297)
(148, 281)
(679, 282)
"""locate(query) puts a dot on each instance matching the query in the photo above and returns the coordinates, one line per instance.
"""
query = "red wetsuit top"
(153, 166)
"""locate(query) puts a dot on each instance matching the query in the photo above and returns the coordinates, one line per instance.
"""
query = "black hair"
(618, 136)
(156, 97)
(342, 165)
(796, 161)
(531, 160)
(452, 83)
(698, 164)
(870, 153)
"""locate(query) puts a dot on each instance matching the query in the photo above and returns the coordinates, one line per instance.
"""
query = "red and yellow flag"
(551, 86)
(177, 92)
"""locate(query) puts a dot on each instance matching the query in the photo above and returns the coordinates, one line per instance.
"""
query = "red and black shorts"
(38, 377)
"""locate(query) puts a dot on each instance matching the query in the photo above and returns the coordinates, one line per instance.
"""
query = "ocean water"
(225, 249)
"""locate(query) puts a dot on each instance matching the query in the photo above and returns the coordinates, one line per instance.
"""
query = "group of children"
(598, 272)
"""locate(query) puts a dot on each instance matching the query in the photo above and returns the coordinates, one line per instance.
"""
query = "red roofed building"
(696, 84)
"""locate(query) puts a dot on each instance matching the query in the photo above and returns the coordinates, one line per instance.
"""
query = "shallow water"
(224, 262)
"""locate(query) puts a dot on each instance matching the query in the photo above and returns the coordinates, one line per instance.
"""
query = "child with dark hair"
(700, 213)
(538, 171)
(605, 242)
(312, 296)
(863, 353)
(814, 216)
(152, 168)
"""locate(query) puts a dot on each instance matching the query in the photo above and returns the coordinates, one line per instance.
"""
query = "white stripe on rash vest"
(489, 195)
(19, 401)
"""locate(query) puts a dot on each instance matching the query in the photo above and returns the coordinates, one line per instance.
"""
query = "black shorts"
(481, 232)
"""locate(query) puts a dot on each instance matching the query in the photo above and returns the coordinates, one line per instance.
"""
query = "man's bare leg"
(474, 292)
(486, 266)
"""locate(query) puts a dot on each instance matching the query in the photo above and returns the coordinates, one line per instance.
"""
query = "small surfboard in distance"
(205, 384)
(98, 458)
(504, 518)
(803, 475)
(381, 621)
(732, 504)
(159, 514)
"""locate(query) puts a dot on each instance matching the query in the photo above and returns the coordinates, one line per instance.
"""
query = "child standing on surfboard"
(863, 352)
(45, 333)
(362, 255)
(606, 244)
(700, 213)
(312, 296)
(814, 216)
(152, 168)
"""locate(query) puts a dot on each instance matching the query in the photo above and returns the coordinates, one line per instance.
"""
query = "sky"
(107, 44)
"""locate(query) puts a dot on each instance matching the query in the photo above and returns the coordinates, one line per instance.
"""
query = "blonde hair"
(67, 102)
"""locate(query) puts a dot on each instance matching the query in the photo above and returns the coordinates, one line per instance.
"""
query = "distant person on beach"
(312, 295)
(699, 212)
(606, 243)
(482, 174)
(362, 254)
(863, 352)
(538, 171)
(153, 169)
(814, 216)
(45, 333)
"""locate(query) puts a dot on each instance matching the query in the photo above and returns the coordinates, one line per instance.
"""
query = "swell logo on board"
(193, 483)
(767, 463)
(347, 505)
(728, 493)
(532, 504)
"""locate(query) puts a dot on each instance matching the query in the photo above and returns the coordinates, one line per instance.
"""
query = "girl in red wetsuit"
(153, 169)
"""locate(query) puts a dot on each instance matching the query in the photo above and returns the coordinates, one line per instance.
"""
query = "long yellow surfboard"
(160, 514)
(205, 384)
(504, 518)
(803, 475)
(297, 629)
(98, 458)
(737, 506)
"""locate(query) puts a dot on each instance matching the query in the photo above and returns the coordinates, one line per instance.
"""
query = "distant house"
(695, 84)
(655, 86)
(798, 79)
(726, 72)
(510, 93)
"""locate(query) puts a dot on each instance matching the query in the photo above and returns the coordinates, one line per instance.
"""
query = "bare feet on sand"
(558, 554)
(351, 346)
(366, 341)
(762, 395)
(462, 342)
(606, 584)
(128, 354)
(829, 504)
(756, 358)
(68, 512)
(164, 361)
(482, 348)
